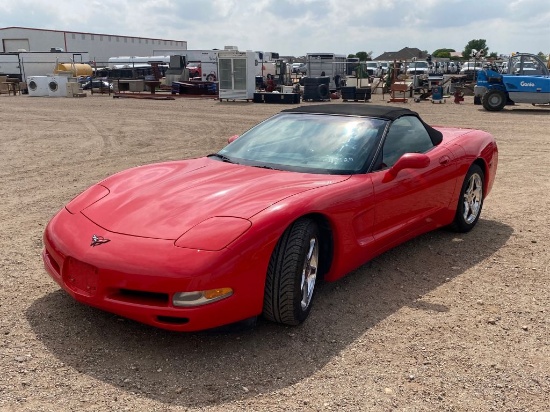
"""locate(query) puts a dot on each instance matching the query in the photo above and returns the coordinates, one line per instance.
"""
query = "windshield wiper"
(221, 157)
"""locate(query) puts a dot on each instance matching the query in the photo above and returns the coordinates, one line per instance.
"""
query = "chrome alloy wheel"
(309, 273)
(473, 195)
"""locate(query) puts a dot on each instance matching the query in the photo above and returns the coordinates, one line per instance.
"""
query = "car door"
(411, 199)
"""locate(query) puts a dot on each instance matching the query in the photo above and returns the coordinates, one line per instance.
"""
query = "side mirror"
(408, 161)
(232, 138)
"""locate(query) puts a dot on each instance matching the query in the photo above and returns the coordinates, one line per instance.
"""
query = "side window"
(406, 135)
(532, 66)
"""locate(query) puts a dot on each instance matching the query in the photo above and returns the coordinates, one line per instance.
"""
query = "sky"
(297, 27)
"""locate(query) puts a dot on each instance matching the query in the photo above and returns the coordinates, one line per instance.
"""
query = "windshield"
(471, 65)
(311, 143)
(419, 65)
(526, 65)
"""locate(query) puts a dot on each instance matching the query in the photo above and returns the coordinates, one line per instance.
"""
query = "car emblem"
(98, 240)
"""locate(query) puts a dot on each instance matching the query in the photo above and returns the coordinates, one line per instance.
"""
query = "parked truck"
(526, 80)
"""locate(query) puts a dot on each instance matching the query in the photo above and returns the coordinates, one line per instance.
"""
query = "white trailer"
(21, 65)
(330, 64)
(123, 62)
(266, 63)
(9, 65)
(207, 60)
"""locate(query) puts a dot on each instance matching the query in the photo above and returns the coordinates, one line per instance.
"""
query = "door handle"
(444, 160)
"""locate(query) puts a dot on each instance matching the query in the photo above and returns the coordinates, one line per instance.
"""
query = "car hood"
(165, 200)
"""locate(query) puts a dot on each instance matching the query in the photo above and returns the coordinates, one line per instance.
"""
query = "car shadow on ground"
(540, 111)
(537, 110)
(201, 369)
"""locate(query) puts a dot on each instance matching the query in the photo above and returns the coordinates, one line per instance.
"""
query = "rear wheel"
(292, 274)
(470, 201)
(494, 100)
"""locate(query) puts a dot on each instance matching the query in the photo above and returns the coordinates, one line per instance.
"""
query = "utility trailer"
(327, 64)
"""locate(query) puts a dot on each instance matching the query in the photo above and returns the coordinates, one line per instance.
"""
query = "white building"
(99, 46)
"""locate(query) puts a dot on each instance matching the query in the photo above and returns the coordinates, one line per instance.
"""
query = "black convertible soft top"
(382, 112)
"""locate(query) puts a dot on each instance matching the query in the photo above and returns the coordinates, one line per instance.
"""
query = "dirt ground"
(445, 322)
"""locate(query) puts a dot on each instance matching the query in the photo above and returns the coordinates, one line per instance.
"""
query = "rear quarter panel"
(470, 145)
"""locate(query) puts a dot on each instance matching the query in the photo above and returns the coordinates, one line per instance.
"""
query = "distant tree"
(493, 55)
(443, 53)
(479, 44)
(543, 56)
(364, 56)
(351, 55)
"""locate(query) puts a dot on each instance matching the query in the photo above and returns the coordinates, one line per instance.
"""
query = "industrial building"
(98, 46)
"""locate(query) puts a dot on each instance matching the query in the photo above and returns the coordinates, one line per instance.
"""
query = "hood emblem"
(98, 240)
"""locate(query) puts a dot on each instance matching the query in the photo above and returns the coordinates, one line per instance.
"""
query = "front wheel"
(470, 201)
(494, 100)
(292, 274)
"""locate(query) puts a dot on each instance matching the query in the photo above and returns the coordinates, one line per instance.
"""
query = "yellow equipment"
(76, 69)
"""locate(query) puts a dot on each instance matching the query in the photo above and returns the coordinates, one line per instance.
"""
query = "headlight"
(214, 233)
(87, 198)
(190, 299)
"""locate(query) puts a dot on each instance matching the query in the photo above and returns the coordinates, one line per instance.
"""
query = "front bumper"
(137, 277)
(479, 90)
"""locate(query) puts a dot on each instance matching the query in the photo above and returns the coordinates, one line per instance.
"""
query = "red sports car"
(308, 194)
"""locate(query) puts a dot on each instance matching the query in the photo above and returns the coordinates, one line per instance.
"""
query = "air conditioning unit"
(37, 85)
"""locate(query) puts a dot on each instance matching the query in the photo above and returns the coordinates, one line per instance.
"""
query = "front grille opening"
(52, 262)
(172, 320)
(141, 297)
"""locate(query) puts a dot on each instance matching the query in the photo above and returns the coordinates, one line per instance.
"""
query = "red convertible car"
(308, 194)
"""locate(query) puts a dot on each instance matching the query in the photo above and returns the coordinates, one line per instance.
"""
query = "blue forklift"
(525, 80)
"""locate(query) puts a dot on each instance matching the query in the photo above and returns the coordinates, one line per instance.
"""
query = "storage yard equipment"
(316, 89)
(22, 65)
(437, 94)
(526, 81)
(237, 72)
(326, 64)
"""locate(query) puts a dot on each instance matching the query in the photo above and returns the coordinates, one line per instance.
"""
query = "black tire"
(494, 100)
(470, 201)
(324, 92)
(294, 261)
